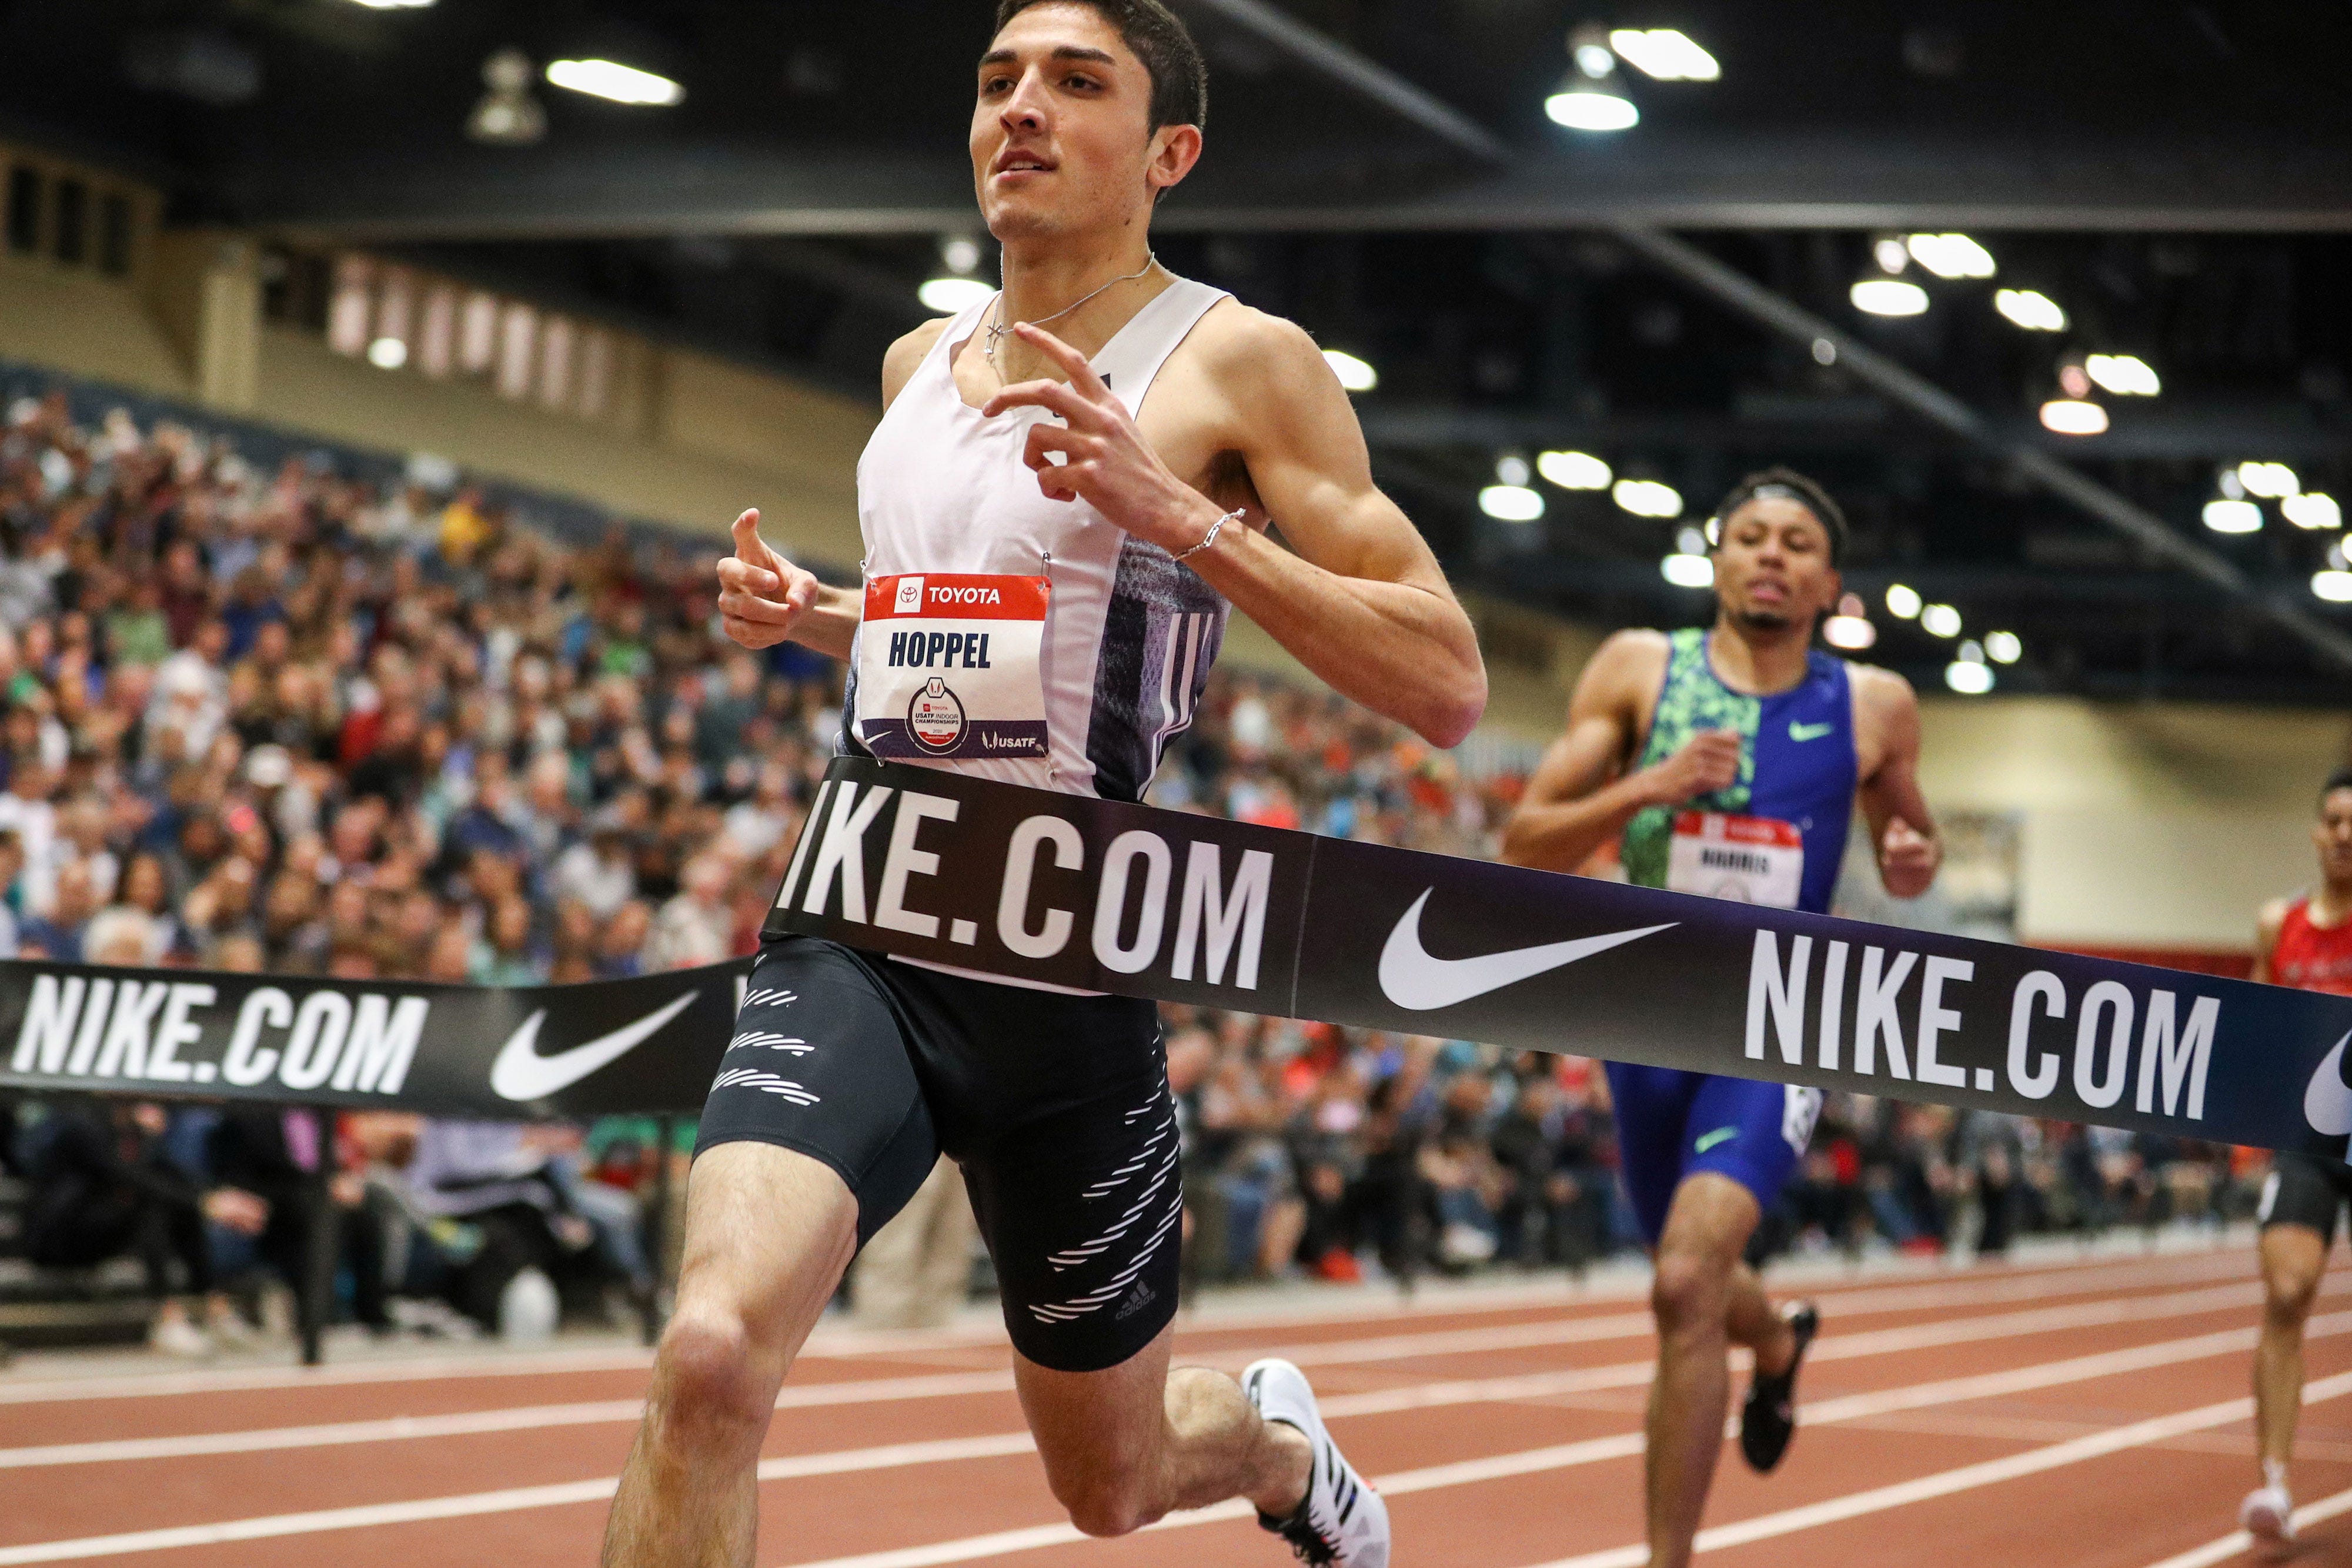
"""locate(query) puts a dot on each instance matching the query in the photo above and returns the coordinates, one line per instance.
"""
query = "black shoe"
(1768, 1419)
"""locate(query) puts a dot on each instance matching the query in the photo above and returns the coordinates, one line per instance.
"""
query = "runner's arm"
(1902, 833)
(763, 599)
(1575, 802)
(1358, 598)
(2266, 934)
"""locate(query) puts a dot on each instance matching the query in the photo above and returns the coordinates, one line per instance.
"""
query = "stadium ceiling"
(2178, 175)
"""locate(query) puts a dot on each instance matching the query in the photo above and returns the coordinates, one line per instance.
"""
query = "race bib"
(1754, 860)
(948, 665)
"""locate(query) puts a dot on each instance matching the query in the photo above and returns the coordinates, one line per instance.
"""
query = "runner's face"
(1772, 566)
(2332, 836)
(1061, 128)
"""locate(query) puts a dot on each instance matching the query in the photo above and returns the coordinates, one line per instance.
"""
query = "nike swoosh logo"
(521, 1073)
(1417, 982)
(1809, 731)
(1721, 1135)
(2326, 1102)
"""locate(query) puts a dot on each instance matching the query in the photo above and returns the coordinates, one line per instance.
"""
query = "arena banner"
(647, 1044)
(1068, 891)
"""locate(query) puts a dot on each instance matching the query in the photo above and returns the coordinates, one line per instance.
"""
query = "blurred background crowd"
(304, 719)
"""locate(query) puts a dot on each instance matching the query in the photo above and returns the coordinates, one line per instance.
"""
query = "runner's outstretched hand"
(761, 596)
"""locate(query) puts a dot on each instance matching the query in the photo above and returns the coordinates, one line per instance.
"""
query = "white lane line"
(2238, 1541)
(1623, 1375)
(887, 1457)
(1629, 1445)
(1913, 1336)
(1003, 1444)
(1836, 1347)
(2071, 1279)
(1967, 1478)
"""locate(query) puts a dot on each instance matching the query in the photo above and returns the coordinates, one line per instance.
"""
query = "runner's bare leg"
(1698, 1284)
(1124, 1446)
(2294, 1257)
(769, 1233)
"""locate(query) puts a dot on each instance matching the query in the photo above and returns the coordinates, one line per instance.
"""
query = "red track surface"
(2089, 1414)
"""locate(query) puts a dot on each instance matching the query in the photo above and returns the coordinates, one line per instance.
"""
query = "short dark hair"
(1787, 484)
(2340, 779)
(1157, 36)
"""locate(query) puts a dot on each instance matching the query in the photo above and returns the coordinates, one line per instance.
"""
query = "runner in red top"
(2306, 943)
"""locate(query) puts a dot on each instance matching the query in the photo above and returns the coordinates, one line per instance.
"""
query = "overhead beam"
(1681, 259)
(2170, 430)
(1663, 181)
(1365, 77)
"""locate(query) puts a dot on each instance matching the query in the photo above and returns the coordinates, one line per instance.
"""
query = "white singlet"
(956, 532)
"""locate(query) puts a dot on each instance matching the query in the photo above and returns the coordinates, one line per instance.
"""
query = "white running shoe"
(1341, 1522)
(2268, 1514)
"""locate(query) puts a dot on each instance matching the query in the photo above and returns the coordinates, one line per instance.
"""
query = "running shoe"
(2268, 1514)
(1341, 1521)
(1768, 1419)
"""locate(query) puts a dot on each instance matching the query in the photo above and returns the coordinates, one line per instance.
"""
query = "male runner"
(2306, 943)
(1107, 531)
(1729, 761)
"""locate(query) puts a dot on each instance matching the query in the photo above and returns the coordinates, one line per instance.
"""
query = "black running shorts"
(2305, 1190)
(1055, 1106)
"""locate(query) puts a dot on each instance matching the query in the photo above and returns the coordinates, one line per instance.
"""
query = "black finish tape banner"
(649, 1044)
(1143, 902)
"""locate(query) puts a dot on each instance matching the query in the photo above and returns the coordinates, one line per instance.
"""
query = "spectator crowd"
(298, 722)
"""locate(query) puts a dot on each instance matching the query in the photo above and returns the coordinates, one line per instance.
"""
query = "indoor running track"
(2088, 1413)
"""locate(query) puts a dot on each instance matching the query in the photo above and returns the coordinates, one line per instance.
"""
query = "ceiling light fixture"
(611, 79)
(2126, 375)
(1573, 470)
(1664, 54)
(507, 116)
(2314, 510)
(1950, 256)
(1968, 678)
(1512, 469)
(2003, 647)
(952, 295)
(2074, 416)
(1584, 102)
(1647, 497)
(1356, 375)
(2334, 586)
(394, 5)
(387, 353)
(2224, 516)
(1902, 602)
(1511, 503)
(1939, 621)
(1686, 570)
(2271, 481)
(2026, 308)
(960, 252)
(1888, 297)
(1850, 628)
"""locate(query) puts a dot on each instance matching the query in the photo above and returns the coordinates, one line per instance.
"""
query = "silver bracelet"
(1209, 537)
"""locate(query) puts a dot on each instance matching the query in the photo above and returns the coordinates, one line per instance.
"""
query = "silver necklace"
(997, 328)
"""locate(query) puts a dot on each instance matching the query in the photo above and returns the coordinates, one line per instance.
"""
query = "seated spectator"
(104, 1186)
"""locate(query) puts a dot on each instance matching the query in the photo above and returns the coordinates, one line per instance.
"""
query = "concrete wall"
(2156, 825)
(694, 439)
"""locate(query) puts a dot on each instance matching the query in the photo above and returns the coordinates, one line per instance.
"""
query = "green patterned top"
(1691, 701)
